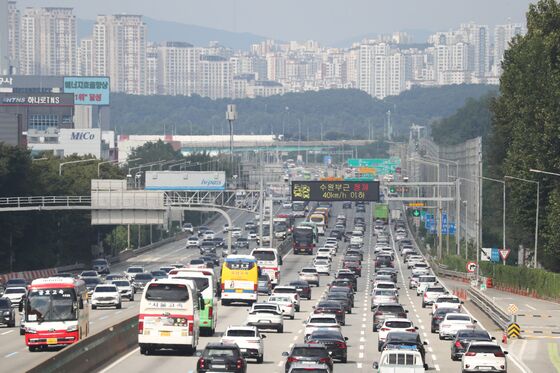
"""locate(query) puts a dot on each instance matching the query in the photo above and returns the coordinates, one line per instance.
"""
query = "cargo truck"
(381, 212)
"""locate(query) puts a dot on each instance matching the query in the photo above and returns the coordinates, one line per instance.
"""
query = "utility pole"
(231, 116)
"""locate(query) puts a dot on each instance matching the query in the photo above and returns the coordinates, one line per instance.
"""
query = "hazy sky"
(323, 20)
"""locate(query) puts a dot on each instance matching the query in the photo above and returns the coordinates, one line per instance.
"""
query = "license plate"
(165, 334)
(52, 341)
(308, 362)
(239, 290)
(218, 366)
(485, 368)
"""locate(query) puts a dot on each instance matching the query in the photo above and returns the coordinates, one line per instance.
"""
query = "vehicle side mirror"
(416, 327)
(345, 338)
(425, 343)
(198, 353)
(474, 321)
(375, 365)
(493, 338)
(505, 352)
(462, 302)
(285, 354)
(406, 311)
(20, 307)
(263, 336)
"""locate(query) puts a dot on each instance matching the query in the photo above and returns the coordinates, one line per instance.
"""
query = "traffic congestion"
(346, 287)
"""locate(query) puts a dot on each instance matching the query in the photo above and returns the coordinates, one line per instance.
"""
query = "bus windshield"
(303, 235)
(202, 283)
(51, 305)
(240, 265)
(167, 292)
(265, 255)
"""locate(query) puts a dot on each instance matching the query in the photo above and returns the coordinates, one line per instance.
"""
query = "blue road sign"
(452, 228)
(495, 255)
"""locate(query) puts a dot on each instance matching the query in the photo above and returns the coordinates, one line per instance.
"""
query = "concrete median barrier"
(90, 354)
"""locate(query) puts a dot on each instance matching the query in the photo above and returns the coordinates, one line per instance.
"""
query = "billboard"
(185, 180)
(36, 99)
(335, 191)
(93, 90)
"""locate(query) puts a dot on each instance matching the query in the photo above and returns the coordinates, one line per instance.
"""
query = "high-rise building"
(479, 41)
(85, 57)
(214, 77)
(14, 20)
(381, 70)
(503, 34)
(152, 81)
(276, 66)
(4, 30)
(48, 42)
(120, 52)
(177, 68)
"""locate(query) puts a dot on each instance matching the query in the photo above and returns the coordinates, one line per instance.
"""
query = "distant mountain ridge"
(159, 31)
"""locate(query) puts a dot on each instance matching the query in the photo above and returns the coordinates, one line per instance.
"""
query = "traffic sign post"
(416, 213)
(513, 330)
(504, 253)
(471, 267)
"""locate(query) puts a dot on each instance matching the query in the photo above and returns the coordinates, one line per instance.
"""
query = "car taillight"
(458, 344)
(378, 313)
(435, 307)
(338, 311)
(425, 295)
(324, 360)
(210, 311)
(341, 345)
(410, 330)
(239, 364)
(290, 305)
(292, 359)
(499, 354)
(201, 363)
(255, 286)
(385, 329)
(191, 328)
(223, 286)
(470, 353)
(141, 327)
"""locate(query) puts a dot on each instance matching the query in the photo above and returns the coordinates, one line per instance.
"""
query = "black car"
(7, 313)
(213, 259)
(350, 277)
(438, 316)
(341, 297)
(336, 233)
(384, 311)
(221, 357)
(207, 246)
(345, 290)
(466, 336)
(342, 283)
(140, 280)
(389, 272)
(334, 341)
(407, 339)
(242, 243)
(202, 229)
(308, 353)
(303, 288)
(333, 308)
(219, 241)
(347, 205)
(91, 283)
(353, 265)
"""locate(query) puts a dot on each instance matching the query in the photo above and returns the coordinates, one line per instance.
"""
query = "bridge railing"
(44, 201)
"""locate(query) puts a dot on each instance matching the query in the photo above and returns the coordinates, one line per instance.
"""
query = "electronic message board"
(333, 191)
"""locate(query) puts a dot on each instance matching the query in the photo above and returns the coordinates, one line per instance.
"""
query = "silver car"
(380, 296)
(310, 275)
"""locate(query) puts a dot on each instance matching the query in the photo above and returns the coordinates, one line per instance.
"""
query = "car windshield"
(326, 334)
(14, 291)
(99, 262)
(486, 348)
(105, 289)
(398, 324)
(89, 273)
(241, 333)
(309, 270)
(16, 282)
(4, 303)
(264, 255)
(322, 320)
(202, 283)
(51, 305)
(220, 352)
(309, 352)
(452, 317)
(309, 370)
(193, 238)
(143, 277)
(159, 273)
(435, 290)
(473, 335)
(262, 307)
(285, 290)
(121, 283)
(167, 292)
(391, 309)
(91, 281)
(448, 300)
(135, 270)
(427, 279)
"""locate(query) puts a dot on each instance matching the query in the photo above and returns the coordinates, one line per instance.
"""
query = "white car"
(252, 236)
(285, 304)
(389, 285)
(193, 241)
(322, 266)
(125, 288)
(325, 251)
(484, 357)
(249, 340)
(290, 291)
(357, 238)
(287, 204)
(309, 274)
(131, 272)
(208, 235)
(323, 257)
(400, 360)
(393, 325)
(15, 295)
(266, 316)
(235, 232)
(452, 322)
(106, 295)
(320, 321)
(447, 301)
(424, 282)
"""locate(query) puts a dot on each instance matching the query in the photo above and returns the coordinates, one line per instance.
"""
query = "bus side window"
(81, 303)
(279, 260)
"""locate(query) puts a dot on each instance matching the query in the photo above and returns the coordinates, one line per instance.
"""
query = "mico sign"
(82, 136)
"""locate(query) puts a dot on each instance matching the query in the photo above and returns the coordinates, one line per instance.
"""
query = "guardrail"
(91, 353)
(486, 305)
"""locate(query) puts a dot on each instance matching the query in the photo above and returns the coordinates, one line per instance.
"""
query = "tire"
(225, 302)
(93, 307)
(21, 332)
(33, 349)
(292, 317)
(131, 298)
(280, 329)
(260, 359)
(441, 338)
(433, 330)
(119, 306)
(144, 351)
(344, 360)
(379, 345)
(453, 357)
(12, 324)
(297, 309)
(349, 311)
(423, 305)
(374, 328)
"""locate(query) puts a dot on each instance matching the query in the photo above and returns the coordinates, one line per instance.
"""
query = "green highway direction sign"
(383, 166)
(416, 213)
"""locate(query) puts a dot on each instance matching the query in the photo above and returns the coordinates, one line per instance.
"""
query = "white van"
(169, 316)
(269, 262)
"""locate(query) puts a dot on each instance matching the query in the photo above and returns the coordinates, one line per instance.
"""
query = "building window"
(41, 122)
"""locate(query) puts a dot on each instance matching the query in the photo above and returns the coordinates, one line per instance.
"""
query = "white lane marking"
(364, 319)
(11, 354)
(422, 327)
(103, 317)
(291, 345)
(531, 307)
(434, 357)
(430, 349)
(437, 367)
(295, 337)
(361, 355)
(359, 365)
(120, 360)
(361, 347)
(280, 364)
(8, 332)
(362, 332)
(300, 331)
(116, 313)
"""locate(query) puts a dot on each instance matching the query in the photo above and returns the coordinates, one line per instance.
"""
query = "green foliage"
(155, 151)
(337, 114)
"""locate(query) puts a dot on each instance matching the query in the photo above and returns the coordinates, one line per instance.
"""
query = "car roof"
(403, 336)
(221, 345)
(241, 327)
(308, 345)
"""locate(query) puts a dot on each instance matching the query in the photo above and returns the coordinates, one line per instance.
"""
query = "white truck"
(397, 359)
(266, 316)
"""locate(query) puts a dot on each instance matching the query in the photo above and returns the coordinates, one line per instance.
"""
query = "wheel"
(379, 345)
(344, 360)
(12, 324)
(225, 302)
(260, 359)
(131, 298)
(144, 350)
(453, 357)
(292, 317)
(349, 311)
(21, 331)
(297, 308)
(423, 305)
(374, 328)
(93, 307)
(33, 349)
(280, 329)
(441, 337)
(433, 330)
(119, 306)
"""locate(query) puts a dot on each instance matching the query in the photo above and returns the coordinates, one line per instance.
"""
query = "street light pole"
(231, 116)
(73, 162)
(503, 208)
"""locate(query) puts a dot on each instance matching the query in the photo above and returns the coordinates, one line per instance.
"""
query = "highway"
(14, 354)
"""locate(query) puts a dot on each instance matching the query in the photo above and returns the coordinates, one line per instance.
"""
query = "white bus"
(269, 262)
(169, 316)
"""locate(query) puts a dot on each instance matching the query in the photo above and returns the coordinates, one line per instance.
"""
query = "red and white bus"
(55, 312)
(269, 262)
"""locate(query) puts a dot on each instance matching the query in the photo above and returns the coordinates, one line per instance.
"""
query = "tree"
(154, 152)
(526, 124)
